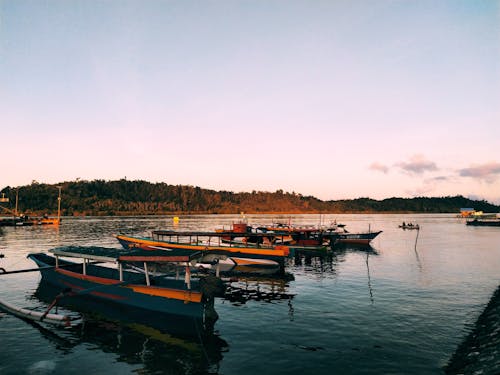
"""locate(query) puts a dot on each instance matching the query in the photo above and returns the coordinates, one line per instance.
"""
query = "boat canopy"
(172, 233)
(105, 254)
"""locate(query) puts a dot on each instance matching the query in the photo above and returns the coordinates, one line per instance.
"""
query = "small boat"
(484, 222)
(241, 266)
(362, 238)
(409, 226)
(180, 300)
(315, 238)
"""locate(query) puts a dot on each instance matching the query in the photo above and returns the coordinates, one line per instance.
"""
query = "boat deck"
(105, 254)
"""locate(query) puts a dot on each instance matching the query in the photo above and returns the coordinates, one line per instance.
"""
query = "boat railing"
(219, 239)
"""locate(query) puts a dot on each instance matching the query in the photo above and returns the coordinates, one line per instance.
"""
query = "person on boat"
(404, 225)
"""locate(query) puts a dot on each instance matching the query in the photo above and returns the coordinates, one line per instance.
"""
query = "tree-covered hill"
(123, 197)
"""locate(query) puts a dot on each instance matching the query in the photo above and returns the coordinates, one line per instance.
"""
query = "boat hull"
(484, 223)
(278, 254)
(356, 238)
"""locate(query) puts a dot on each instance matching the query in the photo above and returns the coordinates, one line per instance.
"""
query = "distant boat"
(19, 220)
(409, 226)
(484, 222)
(316, 238)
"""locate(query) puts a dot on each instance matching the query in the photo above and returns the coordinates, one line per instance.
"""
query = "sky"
(335, 99)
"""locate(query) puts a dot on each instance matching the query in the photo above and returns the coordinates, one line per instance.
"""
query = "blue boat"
(182, 301)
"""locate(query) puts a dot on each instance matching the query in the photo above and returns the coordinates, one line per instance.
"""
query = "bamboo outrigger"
(61, 320)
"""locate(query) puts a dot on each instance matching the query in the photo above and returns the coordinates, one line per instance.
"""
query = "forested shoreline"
(125, 197)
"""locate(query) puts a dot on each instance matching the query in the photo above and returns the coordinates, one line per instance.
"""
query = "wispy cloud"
(417, 164)
(439, 179)
(376, 166)
(488, 172)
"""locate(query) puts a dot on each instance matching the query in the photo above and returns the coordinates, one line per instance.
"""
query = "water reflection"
(270, 289)
(328, 261)
(151, 341)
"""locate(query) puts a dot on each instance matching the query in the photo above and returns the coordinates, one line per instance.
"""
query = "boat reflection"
(271, 289)
(150, 341)
(325, 263)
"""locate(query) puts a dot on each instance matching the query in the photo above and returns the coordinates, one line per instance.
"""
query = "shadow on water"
(147, 341)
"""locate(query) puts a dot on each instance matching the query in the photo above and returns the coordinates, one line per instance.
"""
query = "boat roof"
(107, 254)
(209, 234)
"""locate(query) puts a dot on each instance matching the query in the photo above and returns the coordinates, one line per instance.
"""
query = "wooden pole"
(59, 205)
(146, 273)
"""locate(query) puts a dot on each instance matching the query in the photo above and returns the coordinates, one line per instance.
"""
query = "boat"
(241, 233)
(320, 238)
(239, 266)
(361, 238)
(484, 222)
(180, 300)
(19, 220)
(208, 243)
(409, 226)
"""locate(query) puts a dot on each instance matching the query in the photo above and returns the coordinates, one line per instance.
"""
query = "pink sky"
(333, 99)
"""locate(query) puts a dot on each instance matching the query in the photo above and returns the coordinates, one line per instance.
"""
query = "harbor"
(403, 304)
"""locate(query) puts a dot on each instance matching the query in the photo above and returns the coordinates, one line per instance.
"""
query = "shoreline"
(479, 353)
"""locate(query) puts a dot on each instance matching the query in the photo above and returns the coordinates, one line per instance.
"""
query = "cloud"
(488, 172)
(379, 167)
(417, 165)
(439, 179)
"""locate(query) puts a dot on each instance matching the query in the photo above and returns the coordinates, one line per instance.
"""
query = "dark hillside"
(122, 197)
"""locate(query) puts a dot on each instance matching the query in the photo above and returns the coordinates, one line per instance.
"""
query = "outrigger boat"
(180, 300)
(208, 243)
(409, 226)
(316, 238)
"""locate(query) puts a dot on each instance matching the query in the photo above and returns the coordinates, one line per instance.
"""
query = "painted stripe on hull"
(278, 253)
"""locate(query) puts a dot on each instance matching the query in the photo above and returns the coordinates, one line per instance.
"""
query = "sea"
(400, 306)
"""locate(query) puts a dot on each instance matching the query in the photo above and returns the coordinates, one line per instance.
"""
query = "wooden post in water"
(59, 205)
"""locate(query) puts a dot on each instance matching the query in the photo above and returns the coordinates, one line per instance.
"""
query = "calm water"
(400, 308)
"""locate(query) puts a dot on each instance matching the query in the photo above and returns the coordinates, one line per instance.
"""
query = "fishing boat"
(484, 222)
(206, 243)
(181, 300)
(318, 238)
(409, 226)
(241, 233)
(239, 266)
(360, 238)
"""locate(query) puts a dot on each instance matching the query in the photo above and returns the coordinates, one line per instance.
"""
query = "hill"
(124, 197)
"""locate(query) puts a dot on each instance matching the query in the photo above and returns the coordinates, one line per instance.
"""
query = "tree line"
(125, 197)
